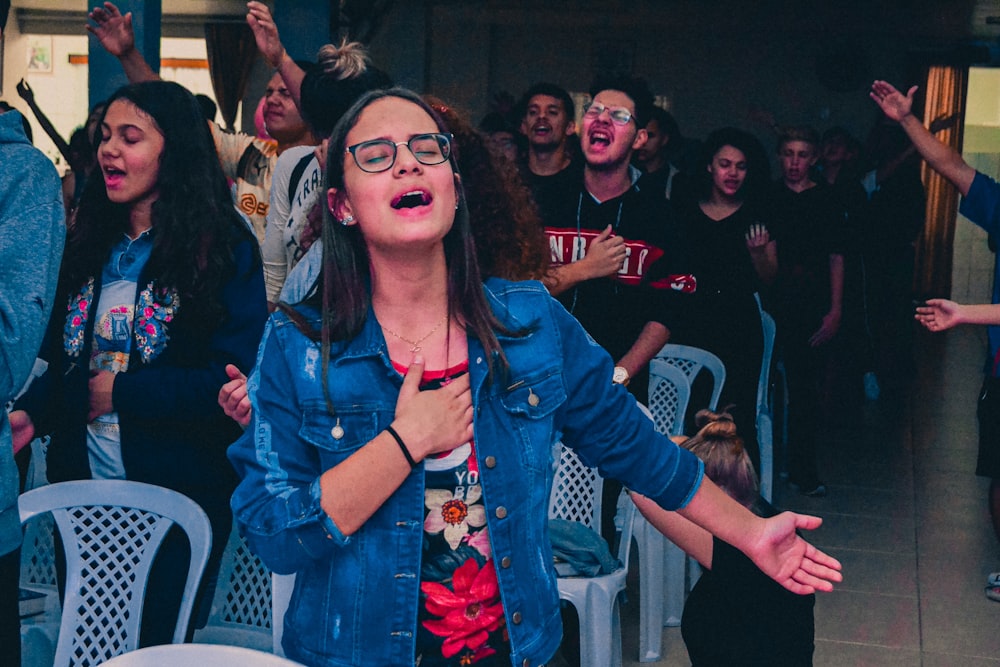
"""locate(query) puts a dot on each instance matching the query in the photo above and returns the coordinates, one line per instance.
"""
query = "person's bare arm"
(265, 33)
(651, 340)
(115, 33)
(692, 539)
(943, 159)
(941, 314)
(831, 321)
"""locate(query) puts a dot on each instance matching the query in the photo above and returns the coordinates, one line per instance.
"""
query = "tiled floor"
(907, 517)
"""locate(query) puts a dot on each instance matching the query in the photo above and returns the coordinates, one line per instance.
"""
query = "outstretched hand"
(938, 314)
(265, 33)
(112, 29)
(893, 103)
(757, 238)
(783, 555)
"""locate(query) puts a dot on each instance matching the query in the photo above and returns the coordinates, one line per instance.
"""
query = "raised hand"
(113, 30)
(233, 396)
(893, 103)
(757, 238)
(436, 420)
(25, 91)
(265, 33)
(781, 554)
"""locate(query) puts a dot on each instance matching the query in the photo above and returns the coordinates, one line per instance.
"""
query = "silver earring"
(348, 220)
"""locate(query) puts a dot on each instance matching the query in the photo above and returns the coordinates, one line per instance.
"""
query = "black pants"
(10, 619)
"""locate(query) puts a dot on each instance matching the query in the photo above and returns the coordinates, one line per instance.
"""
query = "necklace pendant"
(415, 349)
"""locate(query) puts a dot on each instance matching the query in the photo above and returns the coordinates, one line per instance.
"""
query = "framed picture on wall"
(39, 54)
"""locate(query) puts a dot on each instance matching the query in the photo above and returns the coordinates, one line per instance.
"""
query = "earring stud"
(347, 221)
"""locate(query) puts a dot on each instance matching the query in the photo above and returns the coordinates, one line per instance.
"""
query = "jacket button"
(505, 562)
(516, 618)
(501, 512)
(491, 462)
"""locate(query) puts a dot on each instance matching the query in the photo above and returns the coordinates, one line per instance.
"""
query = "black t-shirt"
(654, 280)
(552, 192)
(808, 227)
(737, 616)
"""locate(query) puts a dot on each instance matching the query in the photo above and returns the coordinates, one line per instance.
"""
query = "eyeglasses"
(618, 115)
(380, 154)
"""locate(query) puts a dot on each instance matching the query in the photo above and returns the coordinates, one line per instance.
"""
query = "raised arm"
(943, 159)
(28, 95)
(115, 33)
(265, 33)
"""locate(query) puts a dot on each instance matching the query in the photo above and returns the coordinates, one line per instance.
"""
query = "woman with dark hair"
(399, 457)
(160, 288)
(734, 257)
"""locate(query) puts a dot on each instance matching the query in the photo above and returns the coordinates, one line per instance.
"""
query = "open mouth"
(113, 176)
(599, 138)
(411, 199)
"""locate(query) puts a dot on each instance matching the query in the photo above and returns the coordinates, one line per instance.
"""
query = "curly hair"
(194, 221)
(510, 241)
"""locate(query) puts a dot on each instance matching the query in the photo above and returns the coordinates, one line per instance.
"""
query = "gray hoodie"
(32, 234)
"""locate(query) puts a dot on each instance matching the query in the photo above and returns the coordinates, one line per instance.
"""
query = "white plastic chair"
(282, 586)
(241, 607)
(691, 360)
(765, 418)
(211, 655)
(576, 496)
(661, 563)
(111, 531)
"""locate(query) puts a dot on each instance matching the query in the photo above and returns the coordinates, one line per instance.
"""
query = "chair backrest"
(576, 496)
(216, 655)
(111, 531)
(691, 360)
(242, 602)
(764, 383)
(576, 491)
(669, 394)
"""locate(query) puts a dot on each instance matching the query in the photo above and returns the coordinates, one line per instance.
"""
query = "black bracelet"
(402, 445)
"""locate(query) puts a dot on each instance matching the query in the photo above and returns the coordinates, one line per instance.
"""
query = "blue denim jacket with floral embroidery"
(173, 432)
(355, 598)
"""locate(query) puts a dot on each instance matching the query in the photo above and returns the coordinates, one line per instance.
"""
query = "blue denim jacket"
(355, 599)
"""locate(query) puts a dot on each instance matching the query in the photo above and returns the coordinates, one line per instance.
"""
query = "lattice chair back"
(241, 609)
(576, 491)
(669, 393)
(765, 414)
(691, 360)
(111, 531)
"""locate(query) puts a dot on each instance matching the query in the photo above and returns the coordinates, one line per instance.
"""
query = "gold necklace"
(415, 343)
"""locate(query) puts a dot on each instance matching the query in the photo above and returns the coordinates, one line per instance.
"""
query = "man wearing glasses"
(618, 260)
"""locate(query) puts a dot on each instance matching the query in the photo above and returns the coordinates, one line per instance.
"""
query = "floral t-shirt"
(460, 619)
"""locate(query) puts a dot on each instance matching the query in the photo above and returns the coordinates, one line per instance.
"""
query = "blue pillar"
(104, 70)
(303, 25)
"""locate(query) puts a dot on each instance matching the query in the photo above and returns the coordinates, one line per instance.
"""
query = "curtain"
(945, 94)
(231, 53)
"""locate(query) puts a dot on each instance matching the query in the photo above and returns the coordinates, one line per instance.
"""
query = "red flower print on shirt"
(469, 612)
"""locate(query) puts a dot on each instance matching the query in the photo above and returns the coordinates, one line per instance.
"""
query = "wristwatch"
(621, 376)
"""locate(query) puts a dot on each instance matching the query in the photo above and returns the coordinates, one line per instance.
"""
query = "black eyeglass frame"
(595, 109)
(445, 142)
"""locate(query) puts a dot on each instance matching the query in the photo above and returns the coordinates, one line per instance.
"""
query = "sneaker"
(993, 579)
(816, 491)
(872, 390)
(993, 593)
(811, 490)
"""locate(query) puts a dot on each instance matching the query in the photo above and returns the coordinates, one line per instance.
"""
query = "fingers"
(807, 521)
(235, 373)
(411, 381)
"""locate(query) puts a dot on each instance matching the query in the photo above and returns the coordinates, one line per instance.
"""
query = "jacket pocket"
(340, 434)
(529, 405)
